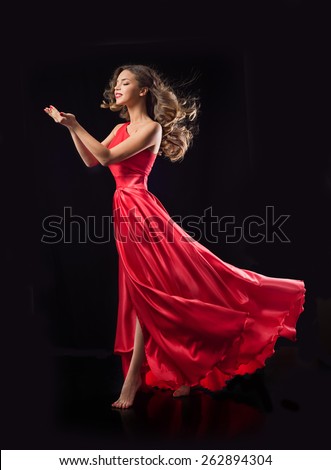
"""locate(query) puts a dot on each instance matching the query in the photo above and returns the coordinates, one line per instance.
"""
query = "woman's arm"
(87, 157)
(146, 137)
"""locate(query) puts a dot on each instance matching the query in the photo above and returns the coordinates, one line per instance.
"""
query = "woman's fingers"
(53, 112)
(66, 119)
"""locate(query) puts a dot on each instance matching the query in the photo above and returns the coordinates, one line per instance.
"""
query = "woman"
(185, 317)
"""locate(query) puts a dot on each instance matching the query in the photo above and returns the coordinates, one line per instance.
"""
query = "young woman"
(185, 317)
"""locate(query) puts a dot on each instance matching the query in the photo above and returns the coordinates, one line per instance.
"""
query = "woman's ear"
(143, 91)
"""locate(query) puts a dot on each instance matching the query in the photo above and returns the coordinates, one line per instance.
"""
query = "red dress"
(203, 320)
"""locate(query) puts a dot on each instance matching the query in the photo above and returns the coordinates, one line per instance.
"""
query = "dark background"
(262, 75)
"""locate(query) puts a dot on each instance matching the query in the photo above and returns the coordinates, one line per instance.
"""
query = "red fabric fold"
(203, 320)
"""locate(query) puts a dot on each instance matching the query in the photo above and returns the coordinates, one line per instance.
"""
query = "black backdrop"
(263, 80)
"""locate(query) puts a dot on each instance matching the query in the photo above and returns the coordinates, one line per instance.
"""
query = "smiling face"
(127, 90)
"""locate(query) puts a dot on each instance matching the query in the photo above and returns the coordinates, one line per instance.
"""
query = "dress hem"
(221, 378)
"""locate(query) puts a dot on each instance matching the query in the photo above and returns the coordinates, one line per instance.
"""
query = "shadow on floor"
(282, 406)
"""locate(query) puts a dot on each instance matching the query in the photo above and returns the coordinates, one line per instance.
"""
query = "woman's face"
(127, 90)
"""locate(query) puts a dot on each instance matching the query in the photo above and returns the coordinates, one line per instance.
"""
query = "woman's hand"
(66, 119)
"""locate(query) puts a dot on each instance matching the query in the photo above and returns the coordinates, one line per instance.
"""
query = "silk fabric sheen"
(203, 320)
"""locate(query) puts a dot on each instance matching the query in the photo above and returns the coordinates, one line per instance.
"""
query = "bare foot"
(182, 391)
(128, 392)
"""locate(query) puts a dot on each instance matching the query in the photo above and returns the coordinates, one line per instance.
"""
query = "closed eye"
(126, 83)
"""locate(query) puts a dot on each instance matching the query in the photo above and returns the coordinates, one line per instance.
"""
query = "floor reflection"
(201, 415)
(275, 408)
(87, 389)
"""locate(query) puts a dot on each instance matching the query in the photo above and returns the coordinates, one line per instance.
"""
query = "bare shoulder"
(149, 128)
(157, 125)
(154, 126)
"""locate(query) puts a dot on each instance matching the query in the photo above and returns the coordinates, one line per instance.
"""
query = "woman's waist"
(131, 180)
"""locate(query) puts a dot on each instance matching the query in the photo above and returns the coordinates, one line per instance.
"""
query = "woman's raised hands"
(66, 119)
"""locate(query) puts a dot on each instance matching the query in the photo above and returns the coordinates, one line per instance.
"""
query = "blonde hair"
(175, 112)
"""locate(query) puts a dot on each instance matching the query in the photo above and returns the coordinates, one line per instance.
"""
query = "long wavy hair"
(174, 111)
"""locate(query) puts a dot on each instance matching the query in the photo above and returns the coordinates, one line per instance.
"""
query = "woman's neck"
(138, 115)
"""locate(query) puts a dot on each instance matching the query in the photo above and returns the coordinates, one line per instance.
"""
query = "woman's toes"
(182, 391)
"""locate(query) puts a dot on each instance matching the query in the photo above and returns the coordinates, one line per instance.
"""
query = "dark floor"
(286, 405)
(61, 398)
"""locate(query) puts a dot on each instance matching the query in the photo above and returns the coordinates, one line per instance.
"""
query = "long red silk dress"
(203, 320)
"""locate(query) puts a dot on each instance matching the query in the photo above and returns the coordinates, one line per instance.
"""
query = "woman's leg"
(138, 356)
(133, 379)
(138, 351)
